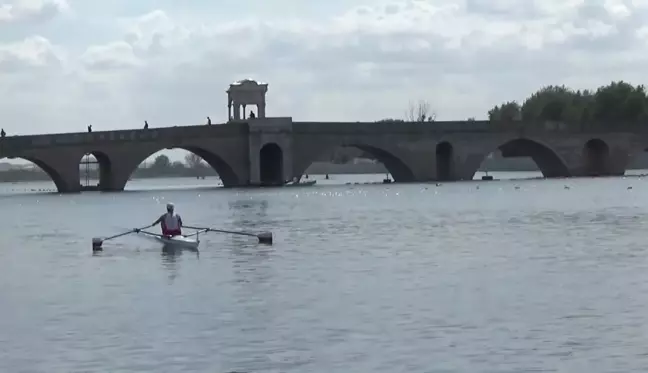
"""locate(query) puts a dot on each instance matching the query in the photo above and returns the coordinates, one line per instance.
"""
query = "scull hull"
(179, 242)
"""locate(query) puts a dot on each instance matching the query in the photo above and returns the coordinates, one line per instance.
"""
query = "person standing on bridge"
(171, 222)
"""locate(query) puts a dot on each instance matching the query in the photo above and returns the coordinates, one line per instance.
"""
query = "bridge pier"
(270, 151)
(67, 179)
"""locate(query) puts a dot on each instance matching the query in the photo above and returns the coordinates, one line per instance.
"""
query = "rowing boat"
(187, 241)
(179, 242)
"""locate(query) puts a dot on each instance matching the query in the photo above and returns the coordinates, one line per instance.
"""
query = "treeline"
(616, 103)
(163, 167)
(160, 167)
(34, 174)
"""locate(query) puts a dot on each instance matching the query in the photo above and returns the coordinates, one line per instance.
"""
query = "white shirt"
(171, 221)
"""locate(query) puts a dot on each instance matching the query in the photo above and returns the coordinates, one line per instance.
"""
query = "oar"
(263, 237)
(98, 241)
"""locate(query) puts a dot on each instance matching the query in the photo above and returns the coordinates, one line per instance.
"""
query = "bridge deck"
(134, 135)
(239, 128)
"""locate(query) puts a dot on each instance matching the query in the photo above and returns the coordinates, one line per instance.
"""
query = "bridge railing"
(585, 127)
(390, 127)
(135, 135)
(467, 126)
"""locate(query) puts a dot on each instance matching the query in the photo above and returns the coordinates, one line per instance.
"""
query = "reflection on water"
(248, 214)
(513, 276)
(171, 256)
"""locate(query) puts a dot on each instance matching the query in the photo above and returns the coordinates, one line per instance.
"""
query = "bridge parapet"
(476, 126)
(13, 144)
(580, 128)
(389, 127)
(271, 125)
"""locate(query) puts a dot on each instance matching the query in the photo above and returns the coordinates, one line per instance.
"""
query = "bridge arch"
(224, 170)
(95, 165)
(596, 157)
(444, 161)
(550, 164)
(398, 169)
(271, 164)
(22, 175)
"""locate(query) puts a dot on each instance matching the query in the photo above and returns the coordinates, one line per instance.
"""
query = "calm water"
(504, 276)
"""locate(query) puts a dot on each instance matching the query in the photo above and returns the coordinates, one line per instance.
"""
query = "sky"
(65, 64)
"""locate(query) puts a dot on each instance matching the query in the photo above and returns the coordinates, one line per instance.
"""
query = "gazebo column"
(237, 111)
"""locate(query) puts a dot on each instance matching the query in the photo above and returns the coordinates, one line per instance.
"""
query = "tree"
(193, 160)
(620, 101)
(509, 111)
(420, 112)
(549, 103)
(161, 162)
(617, 102)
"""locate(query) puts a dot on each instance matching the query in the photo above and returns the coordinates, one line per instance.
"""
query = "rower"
(171, 222)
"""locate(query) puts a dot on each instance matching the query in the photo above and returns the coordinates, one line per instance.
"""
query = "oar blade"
(96, 244)
(265, 238)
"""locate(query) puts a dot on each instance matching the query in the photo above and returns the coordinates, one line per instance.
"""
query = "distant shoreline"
(362, 167)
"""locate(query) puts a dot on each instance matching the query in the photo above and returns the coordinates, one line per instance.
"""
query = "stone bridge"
(266, 151)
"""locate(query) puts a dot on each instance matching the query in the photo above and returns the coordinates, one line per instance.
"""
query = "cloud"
(365, 63)
(28, 55)
(114, 56)
(31, 10)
